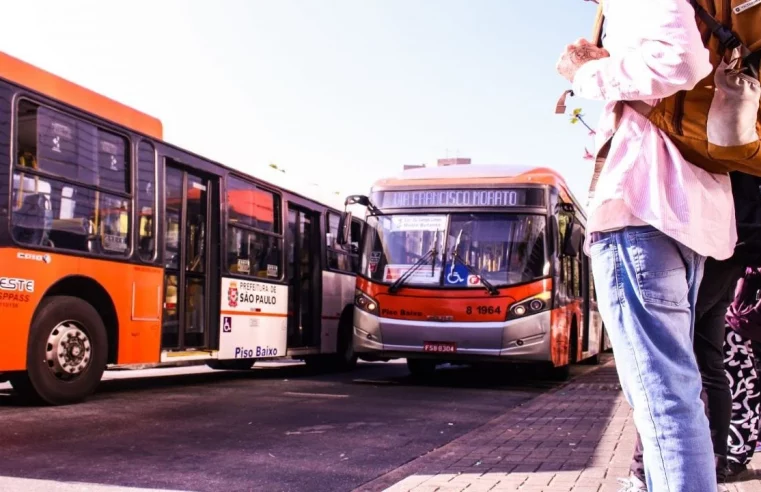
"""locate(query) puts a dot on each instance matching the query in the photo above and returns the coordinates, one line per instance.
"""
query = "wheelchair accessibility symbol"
(227, 324)
(454, 277)
(456, 274)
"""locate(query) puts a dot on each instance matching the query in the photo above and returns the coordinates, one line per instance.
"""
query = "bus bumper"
(524, 339)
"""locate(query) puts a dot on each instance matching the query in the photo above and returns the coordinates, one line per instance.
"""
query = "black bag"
(746, 192)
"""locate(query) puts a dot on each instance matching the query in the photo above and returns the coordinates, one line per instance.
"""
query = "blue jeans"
(647, 286)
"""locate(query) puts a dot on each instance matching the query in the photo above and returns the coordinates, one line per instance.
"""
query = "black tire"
(421, 368)
(573, 349)
(231, 364)
(346, 358)
(44, 381)
(561, 373)
(597, 358)
(320, 363)
(594, 360)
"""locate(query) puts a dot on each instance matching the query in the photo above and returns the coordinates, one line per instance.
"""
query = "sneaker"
(632, 484)
(736, 471)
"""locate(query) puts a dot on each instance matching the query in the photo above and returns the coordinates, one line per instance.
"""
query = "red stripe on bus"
(241, 313)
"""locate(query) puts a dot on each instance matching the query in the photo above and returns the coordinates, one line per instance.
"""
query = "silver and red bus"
(475, 263)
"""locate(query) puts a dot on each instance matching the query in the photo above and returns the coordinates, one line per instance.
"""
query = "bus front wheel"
(346, 358)
(67, 352)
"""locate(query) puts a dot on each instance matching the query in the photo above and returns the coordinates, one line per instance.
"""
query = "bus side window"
(255, 235)
(576, 262)
(566, 263)
(70, 183)
(146, 201)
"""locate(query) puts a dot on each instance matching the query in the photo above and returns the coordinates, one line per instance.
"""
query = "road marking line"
(374, 381)
(317, 395)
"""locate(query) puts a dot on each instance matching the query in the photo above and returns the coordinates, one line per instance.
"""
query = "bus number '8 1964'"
(484, 310)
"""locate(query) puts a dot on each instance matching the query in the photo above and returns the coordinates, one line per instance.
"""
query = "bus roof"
(55, 87)
(27, 75)
(487, 175)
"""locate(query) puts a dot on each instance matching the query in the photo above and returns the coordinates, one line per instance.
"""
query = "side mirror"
(344, 229)
(357, 200)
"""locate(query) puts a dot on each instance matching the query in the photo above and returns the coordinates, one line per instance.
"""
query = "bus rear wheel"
(66, 355)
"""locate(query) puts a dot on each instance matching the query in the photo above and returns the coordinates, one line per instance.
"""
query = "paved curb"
(10, 484)
(450, 455)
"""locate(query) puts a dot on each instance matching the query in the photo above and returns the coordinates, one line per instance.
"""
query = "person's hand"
(576, 55)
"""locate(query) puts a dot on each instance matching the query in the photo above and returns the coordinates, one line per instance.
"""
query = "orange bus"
(119, 249)
(475, 263)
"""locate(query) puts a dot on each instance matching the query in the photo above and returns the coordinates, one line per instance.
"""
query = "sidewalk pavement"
(578, 437)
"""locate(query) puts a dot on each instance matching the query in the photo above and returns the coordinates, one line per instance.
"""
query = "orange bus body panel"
(561, 319)
(139, 320)
(55, 87)
(416, 304)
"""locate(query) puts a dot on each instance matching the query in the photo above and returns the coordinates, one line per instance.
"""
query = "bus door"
(304, 273)
(186, 316)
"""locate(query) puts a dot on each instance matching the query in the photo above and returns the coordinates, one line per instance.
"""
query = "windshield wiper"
(420, 262)
(456, 256)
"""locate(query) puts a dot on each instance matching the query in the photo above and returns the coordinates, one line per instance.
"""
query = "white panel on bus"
(253, 320)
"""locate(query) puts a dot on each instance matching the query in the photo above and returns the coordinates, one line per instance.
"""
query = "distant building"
(453, 161)
(413, 166)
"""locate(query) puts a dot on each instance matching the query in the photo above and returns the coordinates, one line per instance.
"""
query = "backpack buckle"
(752, 63)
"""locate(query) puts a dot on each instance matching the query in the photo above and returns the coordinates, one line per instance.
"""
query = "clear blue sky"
(337, 92)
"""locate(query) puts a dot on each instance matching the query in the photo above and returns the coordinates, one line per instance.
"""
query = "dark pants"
(714, 297)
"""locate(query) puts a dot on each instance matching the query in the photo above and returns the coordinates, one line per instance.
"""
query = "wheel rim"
(68, 351)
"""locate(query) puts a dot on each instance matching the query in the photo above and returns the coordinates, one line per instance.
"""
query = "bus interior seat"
(33, 220)
(146, 245)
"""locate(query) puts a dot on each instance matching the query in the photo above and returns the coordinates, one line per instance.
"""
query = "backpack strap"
(598, 26)
(725, 35)
(727, 39)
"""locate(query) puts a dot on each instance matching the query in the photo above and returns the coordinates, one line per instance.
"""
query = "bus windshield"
(505, 249)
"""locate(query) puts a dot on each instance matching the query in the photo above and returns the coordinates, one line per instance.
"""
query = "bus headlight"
(532, 305)
(365, 302)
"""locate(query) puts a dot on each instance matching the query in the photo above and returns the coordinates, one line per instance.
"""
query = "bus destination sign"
(460, 198)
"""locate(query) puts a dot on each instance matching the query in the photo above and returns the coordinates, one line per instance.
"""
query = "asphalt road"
(276, 428)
